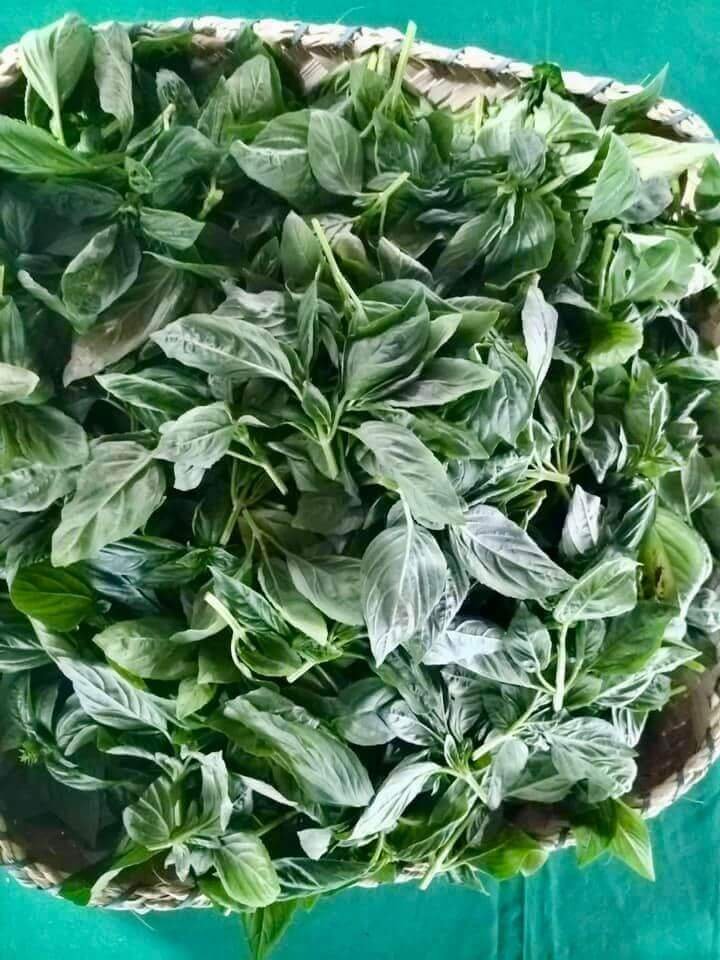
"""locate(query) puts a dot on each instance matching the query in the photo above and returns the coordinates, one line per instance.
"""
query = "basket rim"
(436, 72)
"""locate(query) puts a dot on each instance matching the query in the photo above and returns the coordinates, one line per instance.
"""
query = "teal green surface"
(603, 913)
(627, 39)
(562, 913)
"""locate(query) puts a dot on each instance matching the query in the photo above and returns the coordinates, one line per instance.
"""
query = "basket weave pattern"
(450, 78)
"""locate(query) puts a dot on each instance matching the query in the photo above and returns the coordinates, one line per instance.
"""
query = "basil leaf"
(332, 584)
(113, 57)
(676, 560)
(16, 383)
(245, 869)
(443, 380)
(420, 477)
(53, 60)
(394, 795)
(104, 270)
(170, 227)
(117, 492)
(581, 529)
(617, 185)
(404, 574)
(144, 648)
(606, 590)
(29, 151)
(335, 153)
(59, 599)
(502, 556)
(322, 765)
(225, 347)
(153, 301)
(112, 700)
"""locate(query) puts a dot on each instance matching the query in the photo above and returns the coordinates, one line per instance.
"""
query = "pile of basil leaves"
(359, 478)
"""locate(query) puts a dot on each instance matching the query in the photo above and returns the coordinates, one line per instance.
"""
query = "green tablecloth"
(562, 913)
(605, 912)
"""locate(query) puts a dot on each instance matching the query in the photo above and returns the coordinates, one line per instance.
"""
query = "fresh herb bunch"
(358, 464)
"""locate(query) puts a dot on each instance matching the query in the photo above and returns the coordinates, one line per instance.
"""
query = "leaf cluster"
(359, 476)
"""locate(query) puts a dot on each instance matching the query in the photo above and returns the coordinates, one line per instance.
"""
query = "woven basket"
(679, 747)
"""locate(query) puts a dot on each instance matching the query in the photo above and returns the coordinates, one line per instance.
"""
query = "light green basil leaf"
(170, 227)
(104, 270)
(157, 393)
(153, 301)
(335, 152)
(277, 582)
(31, 489)
(30, 151)
(631, 841)
(634, 637)
(254, 90)
(323, 766)
(59, 599)
(539, 322)
(606, 590)
(525, 247)
(660, 157)
(503, 411)
(199, 438)
(581, 529)
(590, 749)
(443, 380)
(404, 573)
(409, 778)
(53, 60)
(118, 490)
(634, 105)
(421, 479)
(299, 251)
(225, 347)
(16, 383)
(245, 869)
(144, 647)
(42, 436)
(617, 185)
(266, 926)
(113, 58)
(676, 560)
(333, 584)
(114, 702)
(502, 556)
(192, 696)
(388, 353)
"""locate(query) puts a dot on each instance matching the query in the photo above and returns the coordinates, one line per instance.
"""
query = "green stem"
(610, 238)
(401, 65)
(341, 283)
(575, 673)
(491, 744)
(381, 200)
(551, 476)
(234, 643)
(222, 611)
(263, 465)
(237, 506)
(326, 446)
(551, 186)
(544, 684)
(301, 671)
(560, 668)
(276, 822)
(439, 861)
(478, 113)
(257, 533)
